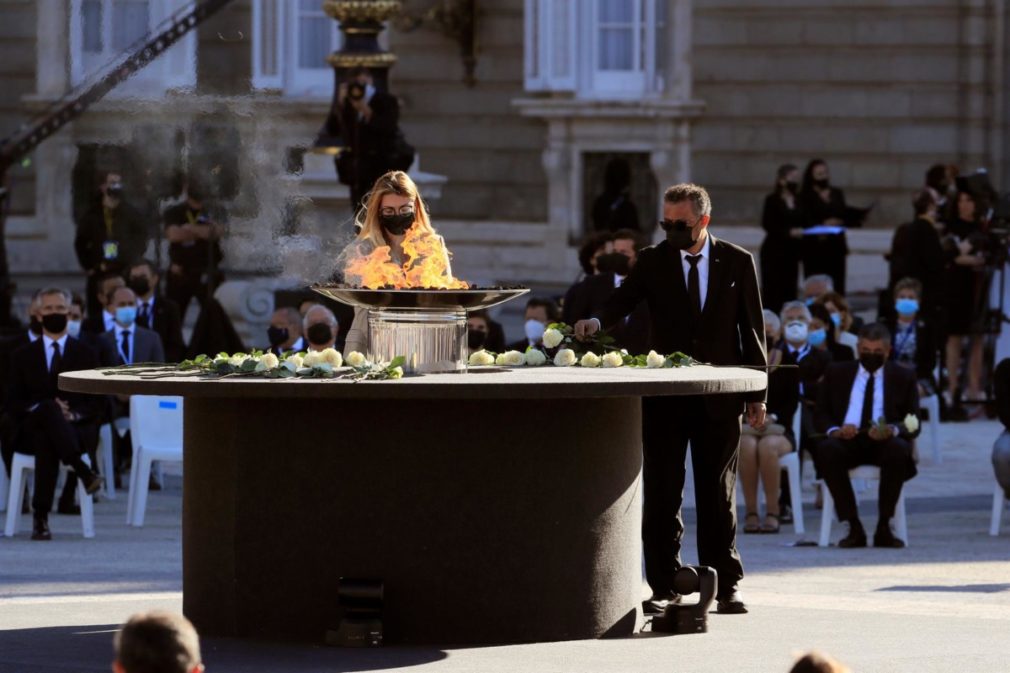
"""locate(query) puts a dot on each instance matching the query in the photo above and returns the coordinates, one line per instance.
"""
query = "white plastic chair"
(105, 459)
(932, 405)
(866, 473)
(4, 486)
(998, 504)
(790, 462)
(20, 467)
(156, 432)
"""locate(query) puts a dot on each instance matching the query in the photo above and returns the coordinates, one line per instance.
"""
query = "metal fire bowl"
(466, 300)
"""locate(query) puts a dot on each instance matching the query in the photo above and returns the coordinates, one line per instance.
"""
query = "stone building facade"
(717, 91)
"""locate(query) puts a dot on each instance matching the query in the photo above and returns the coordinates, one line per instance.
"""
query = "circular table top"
(477, 383)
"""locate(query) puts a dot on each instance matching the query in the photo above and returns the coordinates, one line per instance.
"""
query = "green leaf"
(398, 361)
(248, 365)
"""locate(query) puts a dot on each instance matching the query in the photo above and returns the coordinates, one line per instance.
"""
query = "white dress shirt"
(119, 329)
(855, 412)
(110, 320)
(32, 336)
(150, 309)
(702, 268)
(49, 341)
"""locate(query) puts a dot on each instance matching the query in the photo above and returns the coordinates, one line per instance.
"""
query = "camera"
(355, 91)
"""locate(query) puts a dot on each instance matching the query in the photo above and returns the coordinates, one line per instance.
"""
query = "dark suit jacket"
(146, 347)
(731, 328)
(94, 324)
(925, 348)
(31, 383)
(901, 396)
(589, 297)
(372, 143)
(916, 252)
(128, 230)
(7, 347)
(168, 324)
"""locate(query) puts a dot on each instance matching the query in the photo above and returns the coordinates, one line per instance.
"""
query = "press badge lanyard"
(110, 247)
(907, 333)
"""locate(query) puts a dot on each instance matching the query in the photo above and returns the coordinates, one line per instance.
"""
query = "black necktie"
(126, 346)
(144, 317)
(693, 290)
(54, 364)
(866, 420)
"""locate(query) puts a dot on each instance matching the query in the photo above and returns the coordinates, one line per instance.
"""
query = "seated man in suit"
(862, 410)
(320, 327)
(285, 331)
(52, 425)
(7, 346)
(540, 313)
(156, 311)
(101, 322)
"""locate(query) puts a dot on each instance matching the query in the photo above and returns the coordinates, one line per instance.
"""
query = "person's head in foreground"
(157, 642)
(818, 662)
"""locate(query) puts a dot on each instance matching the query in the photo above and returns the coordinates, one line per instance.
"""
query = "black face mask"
(277, 335)
(35, 325)
(822, 184)
(139, 284)
(475, 339)
(397, 224)
(319, 334)
(871, 361)
(54, 323)
(613, 262)
(678, 234)
(792, 186)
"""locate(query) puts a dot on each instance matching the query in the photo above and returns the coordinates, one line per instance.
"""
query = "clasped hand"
(877, 434)
(585, 329)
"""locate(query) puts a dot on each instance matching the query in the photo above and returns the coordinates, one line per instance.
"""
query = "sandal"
(750, 526)
(765, 528)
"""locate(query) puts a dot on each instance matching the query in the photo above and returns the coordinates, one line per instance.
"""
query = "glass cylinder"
(431, 341)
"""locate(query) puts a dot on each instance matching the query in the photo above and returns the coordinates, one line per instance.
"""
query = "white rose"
(237, 359)
(565, 358)
(654, 360)
(511, 359)
(553, 338)
(612, 359)
(396, 373)
(481, 358)
(267, 362)
(590, 359)
(312, 358)
(911, 423)
(355, 359)
(332, 357)
(535, 357)
(293, 362)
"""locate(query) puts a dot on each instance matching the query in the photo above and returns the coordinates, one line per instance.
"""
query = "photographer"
(369, 126)
(193, 229)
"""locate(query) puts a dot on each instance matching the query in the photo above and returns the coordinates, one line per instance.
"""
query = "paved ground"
(941, 605)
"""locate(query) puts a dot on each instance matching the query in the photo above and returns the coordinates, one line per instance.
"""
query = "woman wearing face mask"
(822, 335)
(393, 208)
(844, 324)
(783, 223)
(914, 344)
(824, 205)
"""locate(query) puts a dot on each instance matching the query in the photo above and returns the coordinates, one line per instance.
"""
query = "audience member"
(1001, 449)
(594, 246)
(193, 229)
(102, 320)
(940, 183)
(156, 311)
(822, 335)
(483, 332)
(320, 328)
(539, 314)
(128, 343)
(914, 341)
(613, 209)
(816, 285)
(783, 223)
(817, 662)
(773, 332)
(110, 236)
(844, 326)
(862, 410)
(823, 206)
(52, 425)
(285, 331)
(917, 252)
(157, 642)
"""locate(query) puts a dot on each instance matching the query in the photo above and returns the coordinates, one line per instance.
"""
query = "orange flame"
(426, 265)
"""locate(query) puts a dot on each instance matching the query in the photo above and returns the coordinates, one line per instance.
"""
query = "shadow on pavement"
(953, 588)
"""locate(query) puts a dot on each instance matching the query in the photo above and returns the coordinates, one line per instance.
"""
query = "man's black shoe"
(68, 508)
(93, 485)
(657, 604)
(731, 603)
(883, 537)
(40, 528)
(856, 537)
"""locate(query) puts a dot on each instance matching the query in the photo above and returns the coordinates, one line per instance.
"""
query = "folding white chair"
(156, 432)
(866, 473)
(999, 502)
(4, 486)
(932, 405)
(21, 466)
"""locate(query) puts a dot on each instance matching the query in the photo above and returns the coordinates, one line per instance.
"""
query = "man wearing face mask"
(110, 236)
(321, 328)
(7, 347)
(703, 300)
(53, 425)
(285, 331)
(539, 314)
(862, 410)
(156, 311)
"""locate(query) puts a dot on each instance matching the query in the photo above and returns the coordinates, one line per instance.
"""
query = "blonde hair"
(393, 182)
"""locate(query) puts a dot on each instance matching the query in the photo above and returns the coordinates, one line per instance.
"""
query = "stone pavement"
(943, 604)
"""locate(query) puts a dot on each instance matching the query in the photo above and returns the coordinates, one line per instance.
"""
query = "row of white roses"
(327, 359)
(565, 357)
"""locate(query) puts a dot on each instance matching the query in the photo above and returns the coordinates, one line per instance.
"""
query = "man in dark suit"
(703, 300)
(52, 425)
(7, 346)
(285, 331)
(101, 321)
(862, 410)
(156, 311)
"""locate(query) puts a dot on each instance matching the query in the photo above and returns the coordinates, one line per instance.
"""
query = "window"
(290, 46)
(595, 48)
(103, 32)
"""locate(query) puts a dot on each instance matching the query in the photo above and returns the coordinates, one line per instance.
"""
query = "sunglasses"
(670, 225)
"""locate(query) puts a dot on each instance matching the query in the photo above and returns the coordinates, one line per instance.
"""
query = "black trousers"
(668, 425)
(835, 457)
(52, 439)
(183, 288)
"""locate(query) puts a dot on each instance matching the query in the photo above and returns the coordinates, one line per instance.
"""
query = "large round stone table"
(496, 506)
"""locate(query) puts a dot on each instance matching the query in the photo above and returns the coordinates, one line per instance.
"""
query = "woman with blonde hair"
(396, 247)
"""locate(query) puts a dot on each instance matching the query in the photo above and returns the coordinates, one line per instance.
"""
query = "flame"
(426, 265)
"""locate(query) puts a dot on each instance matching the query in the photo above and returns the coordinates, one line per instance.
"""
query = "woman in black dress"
(824, 205)
(780, 252)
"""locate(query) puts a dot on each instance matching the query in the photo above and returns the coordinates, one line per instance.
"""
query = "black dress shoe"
(856, 537)
(68, 508)
(93, 485)
(731, 603)
(40, 528)
(885, 538)
(658, 603)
